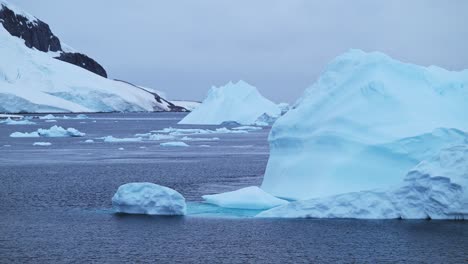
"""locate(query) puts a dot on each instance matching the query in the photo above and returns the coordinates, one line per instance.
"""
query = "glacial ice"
(435, 189)
(238, 102)
(365, 122)
(148, 198)
(33, 81)
(55, 131)
(246, 198)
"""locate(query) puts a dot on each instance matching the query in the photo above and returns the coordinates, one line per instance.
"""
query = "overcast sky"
(185, 47)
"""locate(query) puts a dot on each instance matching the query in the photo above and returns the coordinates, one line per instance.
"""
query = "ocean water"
(55, 204)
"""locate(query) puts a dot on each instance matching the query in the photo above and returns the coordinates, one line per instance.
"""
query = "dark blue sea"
(55, 204)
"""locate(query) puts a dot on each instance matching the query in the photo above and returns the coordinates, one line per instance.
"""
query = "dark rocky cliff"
(37, 34)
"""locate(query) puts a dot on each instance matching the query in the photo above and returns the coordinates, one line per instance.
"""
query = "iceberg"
(251, 197)
(366, 121)
(235, 102)
(55, 131)
(435, 189)
(10, 121)
(148, 198)
(174, 144)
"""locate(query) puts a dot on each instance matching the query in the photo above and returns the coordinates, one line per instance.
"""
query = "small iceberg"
(42, 144)
(251, 197)
(148, 198)
(55, 131)
(174, 144)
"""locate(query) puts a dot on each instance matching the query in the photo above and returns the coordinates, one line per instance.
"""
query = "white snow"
(148, 198)
(111, 139)
(246, 198)
(365, 122)
(436, 188)
(235, 102)
(55, 131)
(174, 144)
(33, 81)
(42, 144)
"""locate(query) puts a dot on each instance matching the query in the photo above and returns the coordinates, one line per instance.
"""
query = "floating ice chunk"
(246, 198)
(148, 198)
(89, 141)
(42, 144)
(112, 139)
(204, 146)
(24, 135)
(49, 116)
(10, 121)
(174, 144)
(121, 149)
(239, 102)
(51, 121)
(81, 116)
(436, 188)
(55, 131)
(224, 130)
(58, 131)
(160, 137)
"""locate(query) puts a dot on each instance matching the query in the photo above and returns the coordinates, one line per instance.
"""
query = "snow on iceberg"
(174, 144)
(55, 131)
(148, 198)
(365, 122)
(239, 102)
(246, 198)
(435, 189)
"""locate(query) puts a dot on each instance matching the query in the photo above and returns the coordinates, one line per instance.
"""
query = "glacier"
(33, 81)
(234, 102)
(148, 198)
(251, 198)
(434, 189)
(363, 125)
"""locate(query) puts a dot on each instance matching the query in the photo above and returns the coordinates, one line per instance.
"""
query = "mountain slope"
(37, 75)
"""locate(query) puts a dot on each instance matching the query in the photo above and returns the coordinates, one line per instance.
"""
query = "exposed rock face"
(37, 34)
(83, 61)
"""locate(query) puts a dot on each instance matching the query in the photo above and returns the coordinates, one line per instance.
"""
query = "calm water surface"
(55, 205)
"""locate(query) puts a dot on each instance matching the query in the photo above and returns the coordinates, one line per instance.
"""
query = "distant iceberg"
(55, 131)
(235, 102)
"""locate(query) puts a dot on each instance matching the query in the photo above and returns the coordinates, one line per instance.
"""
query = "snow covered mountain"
(38, 73)
(363, 125)
(235, 102)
